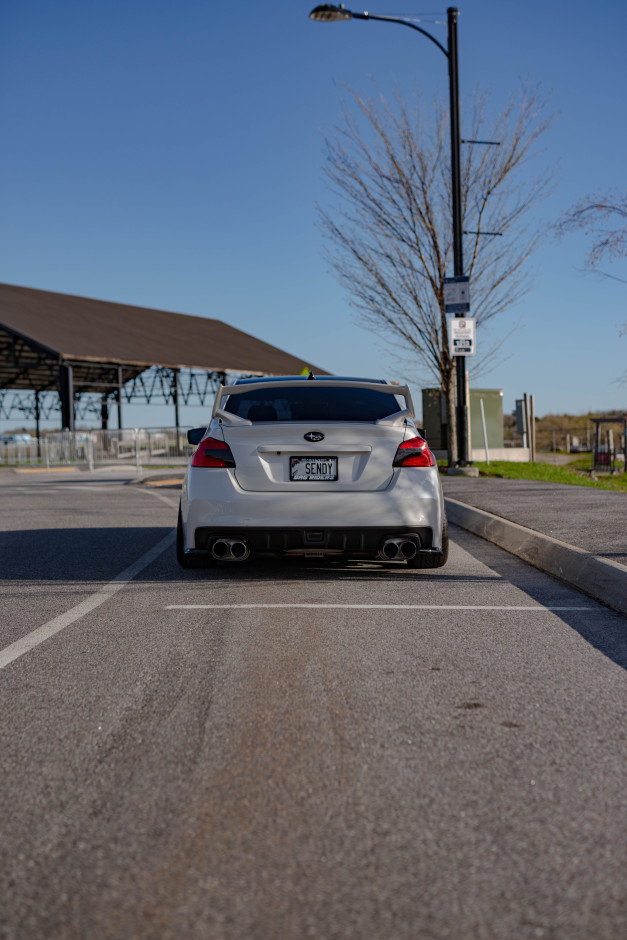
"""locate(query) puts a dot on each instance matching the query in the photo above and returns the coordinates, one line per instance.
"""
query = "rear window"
(315, 403)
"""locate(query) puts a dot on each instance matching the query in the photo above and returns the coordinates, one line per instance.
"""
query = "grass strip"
(549, 473)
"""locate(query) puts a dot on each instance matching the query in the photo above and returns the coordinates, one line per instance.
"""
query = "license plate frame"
(300, 474)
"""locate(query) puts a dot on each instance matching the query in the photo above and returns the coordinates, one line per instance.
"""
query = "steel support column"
(119, 395)
(175, 397)
(66, 394)
(104, 411)
(37, 417)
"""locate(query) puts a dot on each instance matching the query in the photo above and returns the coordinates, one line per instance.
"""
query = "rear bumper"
(365, 541)
(213, 504)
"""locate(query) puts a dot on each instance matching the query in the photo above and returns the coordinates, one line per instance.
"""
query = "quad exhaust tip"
(236, 549)
(230, 550)
(398, 550)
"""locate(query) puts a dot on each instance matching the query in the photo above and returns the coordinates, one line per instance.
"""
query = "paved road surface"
(298, 750)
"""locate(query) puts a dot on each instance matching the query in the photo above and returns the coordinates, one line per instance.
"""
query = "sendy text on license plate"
(313, 468)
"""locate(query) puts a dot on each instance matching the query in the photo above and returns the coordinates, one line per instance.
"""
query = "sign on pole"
(461, 336)
(457, 294)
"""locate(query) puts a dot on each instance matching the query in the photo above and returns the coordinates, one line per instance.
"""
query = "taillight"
(213, 453)
(414, 453)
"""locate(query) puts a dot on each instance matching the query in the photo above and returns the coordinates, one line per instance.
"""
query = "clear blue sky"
(169, 155)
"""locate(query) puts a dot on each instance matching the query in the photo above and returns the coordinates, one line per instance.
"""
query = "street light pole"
(458, 251)
(329, 13)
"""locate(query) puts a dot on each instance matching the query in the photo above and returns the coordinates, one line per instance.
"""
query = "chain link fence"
(138, 446)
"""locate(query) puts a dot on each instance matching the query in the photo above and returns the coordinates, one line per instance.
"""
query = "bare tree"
(391, 231)
(604, 218)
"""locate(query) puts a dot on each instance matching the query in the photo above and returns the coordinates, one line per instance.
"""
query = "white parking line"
(173, 502)
(536, 608)
(31, 640)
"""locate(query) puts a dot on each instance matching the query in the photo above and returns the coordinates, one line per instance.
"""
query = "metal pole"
(453, 74)
(119, 396)
(66, 393)
(458, 257)
(177, 419)
(175, 396)
(37, 417)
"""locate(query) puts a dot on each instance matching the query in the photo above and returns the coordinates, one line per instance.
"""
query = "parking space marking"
(536, 608)
(172, 502)
(31, 640)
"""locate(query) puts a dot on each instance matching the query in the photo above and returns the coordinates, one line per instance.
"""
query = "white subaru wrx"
(317, 466)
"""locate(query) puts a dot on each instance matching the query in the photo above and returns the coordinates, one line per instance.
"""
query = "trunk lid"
(359, 454)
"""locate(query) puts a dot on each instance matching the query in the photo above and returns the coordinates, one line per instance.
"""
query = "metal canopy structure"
(59, 352)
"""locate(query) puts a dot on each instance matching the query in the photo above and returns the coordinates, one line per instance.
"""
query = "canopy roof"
(80, 329)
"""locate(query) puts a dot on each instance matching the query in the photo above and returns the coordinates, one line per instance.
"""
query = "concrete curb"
(171, 479)
(601, 578)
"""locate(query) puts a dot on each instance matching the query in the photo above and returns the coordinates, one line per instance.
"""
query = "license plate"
(305, 469)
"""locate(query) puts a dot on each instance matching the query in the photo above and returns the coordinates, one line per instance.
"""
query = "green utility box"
(435, 424)
(434, 418)
(493, 409)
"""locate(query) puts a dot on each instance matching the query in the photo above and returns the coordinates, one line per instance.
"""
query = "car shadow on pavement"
(307, 569)
(99, 554)
(74, 554)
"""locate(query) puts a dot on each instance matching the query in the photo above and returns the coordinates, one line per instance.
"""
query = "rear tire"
(189, 561)
(432, 560)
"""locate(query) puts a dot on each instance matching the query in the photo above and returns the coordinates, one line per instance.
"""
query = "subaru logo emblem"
(314, 436)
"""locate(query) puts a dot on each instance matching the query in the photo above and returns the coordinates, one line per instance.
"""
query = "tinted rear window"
(313, 404)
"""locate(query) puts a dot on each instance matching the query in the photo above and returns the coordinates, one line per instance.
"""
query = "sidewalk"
(576, 533)
(594, 520)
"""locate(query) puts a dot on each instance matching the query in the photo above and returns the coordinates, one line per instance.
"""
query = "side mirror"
(196, 435)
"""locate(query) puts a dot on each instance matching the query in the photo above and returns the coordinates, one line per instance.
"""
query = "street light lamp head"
(328, 13)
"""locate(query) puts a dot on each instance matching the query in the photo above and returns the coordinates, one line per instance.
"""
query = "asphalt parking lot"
(297, 750)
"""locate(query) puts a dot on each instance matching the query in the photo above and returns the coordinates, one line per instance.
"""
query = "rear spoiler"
(225, 390)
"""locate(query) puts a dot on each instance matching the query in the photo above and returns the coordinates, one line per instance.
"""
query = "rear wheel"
(432, 560)
(189, 561)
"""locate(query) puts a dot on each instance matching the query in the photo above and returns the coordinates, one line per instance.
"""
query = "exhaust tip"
(408, 548)
(389, 549)
(399, 549)
(228, 549)
(220, 548)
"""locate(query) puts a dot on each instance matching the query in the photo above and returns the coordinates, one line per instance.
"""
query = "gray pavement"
(302, 750)
(592, 520)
